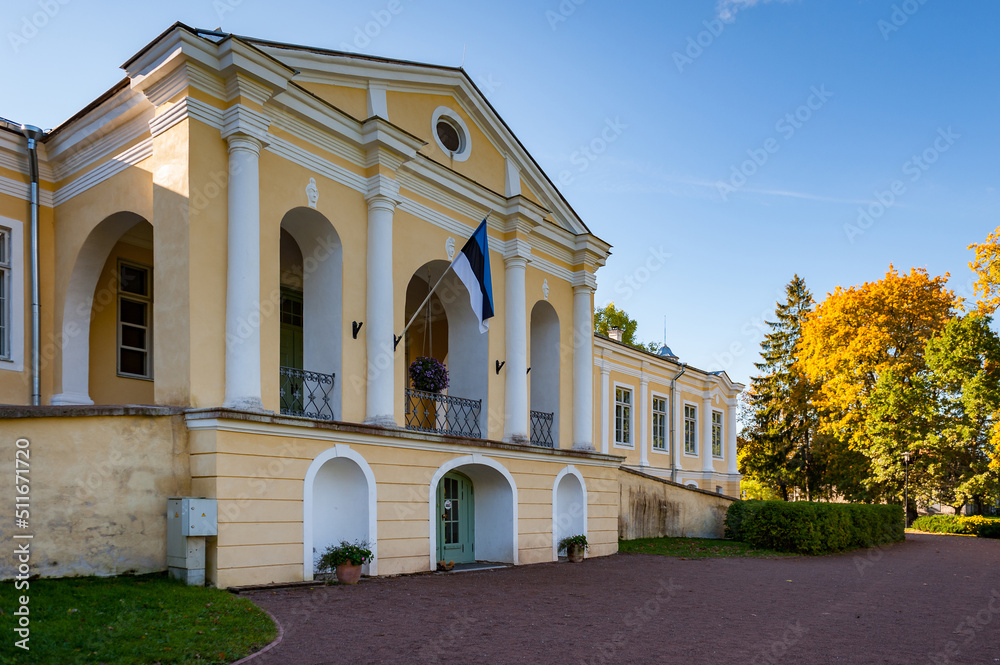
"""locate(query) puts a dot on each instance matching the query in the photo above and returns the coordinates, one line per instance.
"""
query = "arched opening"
(544, 375)
(92, 308)
(339, 503)
(569, 507)
(446, 329)
(311, 285)
(489, 524)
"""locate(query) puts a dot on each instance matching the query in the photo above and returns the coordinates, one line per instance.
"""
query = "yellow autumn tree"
(986, 265)
(859, 333)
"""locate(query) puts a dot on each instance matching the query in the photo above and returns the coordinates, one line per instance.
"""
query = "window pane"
(134, 280)
(134, 337)
(3, 248)
(132, 362)
(133, 312)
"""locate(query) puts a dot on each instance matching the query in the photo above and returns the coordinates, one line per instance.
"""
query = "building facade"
(231, 244)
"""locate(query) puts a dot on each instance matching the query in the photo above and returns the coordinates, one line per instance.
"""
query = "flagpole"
(431, 292)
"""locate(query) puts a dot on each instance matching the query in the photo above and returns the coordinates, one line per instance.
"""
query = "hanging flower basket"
(428, 374)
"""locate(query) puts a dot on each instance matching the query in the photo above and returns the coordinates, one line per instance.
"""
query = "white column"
(706, 436)
(243, 390)
(515, 427)
(677, 445)
(605, 409)
(643, 425)
(583, 368)
(380, 394)
(731, 461)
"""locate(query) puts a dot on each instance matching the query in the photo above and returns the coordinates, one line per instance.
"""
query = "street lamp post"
(906, 489)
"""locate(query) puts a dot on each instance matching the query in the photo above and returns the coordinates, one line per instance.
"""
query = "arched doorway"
(92, 306)
(339, 503)
(447, 330)
(490, 511)
(311, 283)
(544, 375)
(569, 507)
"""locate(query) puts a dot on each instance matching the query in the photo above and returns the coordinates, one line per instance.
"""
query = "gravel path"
(932, 599)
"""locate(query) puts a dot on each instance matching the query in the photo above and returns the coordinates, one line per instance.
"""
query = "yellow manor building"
(204, 280)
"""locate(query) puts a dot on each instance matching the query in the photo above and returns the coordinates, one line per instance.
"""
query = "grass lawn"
(694, 548)
(144, 619)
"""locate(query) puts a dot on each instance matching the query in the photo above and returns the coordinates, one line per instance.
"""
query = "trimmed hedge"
(974, 525)
(813, 528)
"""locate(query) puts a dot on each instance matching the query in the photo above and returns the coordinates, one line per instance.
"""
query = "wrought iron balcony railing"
(541, 429)
(307, 394)
(442, 414)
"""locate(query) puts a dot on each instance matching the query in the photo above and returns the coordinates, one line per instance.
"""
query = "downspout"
(33, 134)
(674, 453)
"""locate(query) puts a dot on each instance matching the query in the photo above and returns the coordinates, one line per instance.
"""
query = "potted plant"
(428, 374)
(575, 546)
(346, 558)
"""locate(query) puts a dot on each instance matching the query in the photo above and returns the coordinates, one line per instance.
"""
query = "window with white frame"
(623, 416)
(5, 280)
(135, 313)
(691, 429)
(659, 423)
(716, 433)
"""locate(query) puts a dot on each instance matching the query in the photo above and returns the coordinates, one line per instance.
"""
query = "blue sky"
(749, 136)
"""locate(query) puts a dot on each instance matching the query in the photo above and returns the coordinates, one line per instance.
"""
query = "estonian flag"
(472, 265)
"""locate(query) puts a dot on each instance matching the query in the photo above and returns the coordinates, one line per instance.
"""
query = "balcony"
(541, 429)
(306, 394)
(442, 414)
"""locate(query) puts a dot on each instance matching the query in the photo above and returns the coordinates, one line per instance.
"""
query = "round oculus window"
(449, 136)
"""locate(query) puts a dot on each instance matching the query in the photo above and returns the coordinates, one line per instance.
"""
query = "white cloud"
(728, 8)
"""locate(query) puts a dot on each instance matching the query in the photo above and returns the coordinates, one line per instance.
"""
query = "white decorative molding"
(316, 164)
(545, 289)
(449, 247)
(22, 190)
(312, 193)
(465, 147)
(240, 119)
(15, 361)
(377, 104)
(115, 165)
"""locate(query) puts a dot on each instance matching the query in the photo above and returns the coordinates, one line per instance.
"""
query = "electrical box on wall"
(189, 521)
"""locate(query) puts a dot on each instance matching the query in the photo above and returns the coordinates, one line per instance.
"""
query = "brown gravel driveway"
(932, 599)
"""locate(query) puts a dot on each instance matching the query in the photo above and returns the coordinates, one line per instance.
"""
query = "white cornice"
(117, 164)
(118, 121)
(22, 190)
(324, 167)
(358, 438)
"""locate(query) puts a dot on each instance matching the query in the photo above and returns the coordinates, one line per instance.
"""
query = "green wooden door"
(291, 328)
(291, 350)
(456, 519)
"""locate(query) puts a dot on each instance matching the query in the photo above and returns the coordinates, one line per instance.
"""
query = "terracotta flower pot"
(575, 553)
(348, 573)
